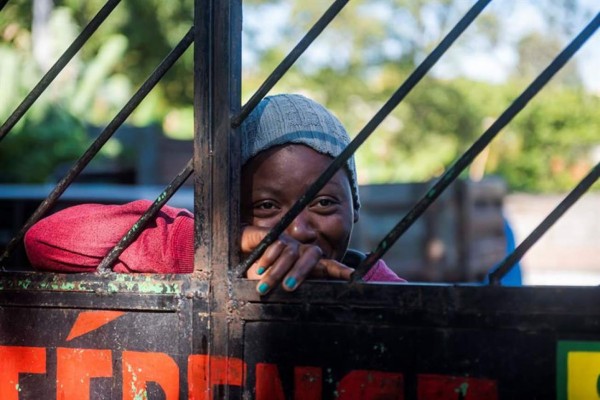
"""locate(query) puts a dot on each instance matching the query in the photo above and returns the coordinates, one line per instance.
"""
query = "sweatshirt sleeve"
(380, 272)
(76, 239)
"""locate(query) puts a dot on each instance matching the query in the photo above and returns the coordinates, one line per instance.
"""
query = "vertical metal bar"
(459, 165)
(57, 67)
(289, 60)
(137, 98)
(217, 87)
(509, 261)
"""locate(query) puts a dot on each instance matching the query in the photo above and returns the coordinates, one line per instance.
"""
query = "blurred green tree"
(360, 59)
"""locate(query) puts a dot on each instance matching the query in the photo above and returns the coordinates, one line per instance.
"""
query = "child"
(287, 142)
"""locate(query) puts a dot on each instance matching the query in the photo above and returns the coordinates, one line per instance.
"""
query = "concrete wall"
(569, 253)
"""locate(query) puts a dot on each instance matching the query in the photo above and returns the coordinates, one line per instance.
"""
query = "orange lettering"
(363, 384)
(444, 387)
(75, 368)
(141, 368)
(308, 383)
(15, 360)
(268, 382)
(205, 372)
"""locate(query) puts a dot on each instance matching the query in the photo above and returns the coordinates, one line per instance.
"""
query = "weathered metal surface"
(64, 351)
(209, 334)
(217, 88)
(328, 341)
(113, 283)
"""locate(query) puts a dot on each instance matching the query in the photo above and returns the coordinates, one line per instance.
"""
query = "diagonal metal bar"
(57, 67)
(509, 261)
(106, 264)
(2, 4)
(110, 129)
(289, 60)
(339, 161)
(453, 171)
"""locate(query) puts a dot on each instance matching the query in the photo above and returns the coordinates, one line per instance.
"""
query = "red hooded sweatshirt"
(76, 239)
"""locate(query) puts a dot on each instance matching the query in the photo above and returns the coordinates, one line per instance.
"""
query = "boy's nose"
(302, 229)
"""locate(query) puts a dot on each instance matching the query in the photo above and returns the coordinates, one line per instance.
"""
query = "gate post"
(217, 86)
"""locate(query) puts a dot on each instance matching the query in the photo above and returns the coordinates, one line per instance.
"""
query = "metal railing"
(217, 37)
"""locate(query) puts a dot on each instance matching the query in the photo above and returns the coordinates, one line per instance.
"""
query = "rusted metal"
(459, 165)
(57, 67)
(91, 283)
(106, 134)
(326, 340)
(383, 112)
(289, 60)
(211, 335)
(217, 88)
(510, 260)
(108, 261)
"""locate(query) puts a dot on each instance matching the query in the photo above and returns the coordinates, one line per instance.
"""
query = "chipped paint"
(380, 347)
(138, 393)
(121, 283)
(115, 283)
(462, 389)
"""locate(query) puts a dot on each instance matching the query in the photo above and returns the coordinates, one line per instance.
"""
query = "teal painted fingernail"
(262, 288)
(260, 270)
(291, 282)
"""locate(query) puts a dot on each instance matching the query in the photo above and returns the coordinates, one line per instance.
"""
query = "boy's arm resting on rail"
(76, 239)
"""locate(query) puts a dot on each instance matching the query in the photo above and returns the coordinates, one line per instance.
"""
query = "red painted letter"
(141, 368)
(15, 360)
(308, 383)
(204, 372)
(75, 368)
(443, 387)
(362, 384)
(268, 382)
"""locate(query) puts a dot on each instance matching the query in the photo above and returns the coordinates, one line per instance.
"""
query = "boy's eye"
(265, 205)
(324, 202)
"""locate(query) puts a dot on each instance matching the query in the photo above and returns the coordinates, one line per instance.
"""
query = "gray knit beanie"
(292, 118)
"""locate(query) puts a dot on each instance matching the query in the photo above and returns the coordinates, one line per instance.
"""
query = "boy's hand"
(288, 261)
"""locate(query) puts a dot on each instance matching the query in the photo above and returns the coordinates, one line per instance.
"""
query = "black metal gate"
(210, 335)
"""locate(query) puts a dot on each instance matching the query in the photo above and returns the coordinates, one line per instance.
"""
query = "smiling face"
(273, 181)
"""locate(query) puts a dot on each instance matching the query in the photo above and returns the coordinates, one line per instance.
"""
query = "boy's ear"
(355, 212)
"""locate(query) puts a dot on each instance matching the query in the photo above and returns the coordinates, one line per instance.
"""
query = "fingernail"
(260, 270)
(262, 288)
(291, 282)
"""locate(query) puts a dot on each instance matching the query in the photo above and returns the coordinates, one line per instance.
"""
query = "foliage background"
(354, 67)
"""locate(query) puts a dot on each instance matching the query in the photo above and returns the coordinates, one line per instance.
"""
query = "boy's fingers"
(284, 262)
(336, 270)
(302, 268)
(251, 237)
(269, 257)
